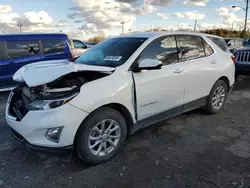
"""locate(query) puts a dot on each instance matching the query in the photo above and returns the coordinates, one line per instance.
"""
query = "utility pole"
(233, 26)
(245, 27)
(20, 27)
(122, 27)
(246, 12)
(195, 24)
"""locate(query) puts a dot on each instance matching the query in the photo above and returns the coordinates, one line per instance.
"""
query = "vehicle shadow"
(242, 83)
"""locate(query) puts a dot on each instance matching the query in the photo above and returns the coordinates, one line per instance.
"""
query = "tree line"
(218, 32)
(226, 33)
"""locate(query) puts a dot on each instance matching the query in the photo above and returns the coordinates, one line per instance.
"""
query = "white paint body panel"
(164, 86)
(115, 88)
(34, 125)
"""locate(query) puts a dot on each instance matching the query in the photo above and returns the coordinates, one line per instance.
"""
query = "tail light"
(233, 58)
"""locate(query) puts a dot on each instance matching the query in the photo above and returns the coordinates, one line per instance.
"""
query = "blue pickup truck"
(17, 50)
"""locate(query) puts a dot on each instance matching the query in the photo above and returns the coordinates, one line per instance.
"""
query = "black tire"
(210, 107)
(81, 142)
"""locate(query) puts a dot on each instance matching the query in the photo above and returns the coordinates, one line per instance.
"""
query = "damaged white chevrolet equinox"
(121, 85)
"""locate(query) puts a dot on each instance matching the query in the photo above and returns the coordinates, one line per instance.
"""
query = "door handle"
(213, 62)
(177, 71)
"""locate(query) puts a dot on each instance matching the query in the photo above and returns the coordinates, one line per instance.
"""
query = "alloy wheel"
(104, 137)
(218, 97)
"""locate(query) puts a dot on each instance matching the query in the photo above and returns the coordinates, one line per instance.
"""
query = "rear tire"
(217, 97)
(100, 136)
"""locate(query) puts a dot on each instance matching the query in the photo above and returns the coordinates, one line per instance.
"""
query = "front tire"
(100, 136)
(217, 97)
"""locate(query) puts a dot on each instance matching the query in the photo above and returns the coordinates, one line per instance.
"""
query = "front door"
(159, 90)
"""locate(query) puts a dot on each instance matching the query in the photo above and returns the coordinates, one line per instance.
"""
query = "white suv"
(123, 84)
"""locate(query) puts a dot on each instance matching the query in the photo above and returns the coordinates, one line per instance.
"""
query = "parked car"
(242, 56)
(120, 86)
(17, 50)
(91, 44)
(234, 43)
(78, 48)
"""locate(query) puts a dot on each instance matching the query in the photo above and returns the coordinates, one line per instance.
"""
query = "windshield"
(111, 53)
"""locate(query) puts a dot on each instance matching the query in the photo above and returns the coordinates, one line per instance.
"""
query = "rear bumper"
(42, 149)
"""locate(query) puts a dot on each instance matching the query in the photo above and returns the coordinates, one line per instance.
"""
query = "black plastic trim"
(169, 113)
(135, 97)
(42, 149)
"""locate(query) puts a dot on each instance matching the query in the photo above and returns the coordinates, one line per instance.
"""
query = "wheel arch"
(118, 107)
(226, 80)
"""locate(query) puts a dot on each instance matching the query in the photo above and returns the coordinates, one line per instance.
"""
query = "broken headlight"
(49, 104)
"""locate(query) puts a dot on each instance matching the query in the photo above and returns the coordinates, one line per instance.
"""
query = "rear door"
(197, 67)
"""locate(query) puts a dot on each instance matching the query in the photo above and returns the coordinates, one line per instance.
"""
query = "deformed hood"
(43, 72)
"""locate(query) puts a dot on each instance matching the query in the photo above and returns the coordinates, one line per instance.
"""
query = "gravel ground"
(190, 150)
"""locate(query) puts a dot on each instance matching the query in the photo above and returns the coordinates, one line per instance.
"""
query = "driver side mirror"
(148, 64)
(84, 47)
(229, 44)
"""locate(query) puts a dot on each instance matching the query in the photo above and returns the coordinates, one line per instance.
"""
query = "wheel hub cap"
(104, 137)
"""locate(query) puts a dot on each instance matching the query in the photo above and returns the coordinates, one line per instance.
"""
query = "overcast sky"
(86, 18)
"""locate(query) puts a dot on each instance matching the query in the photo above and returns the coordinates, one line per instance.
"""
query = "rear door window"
(17, 49)
(189, 47)
(53, 46)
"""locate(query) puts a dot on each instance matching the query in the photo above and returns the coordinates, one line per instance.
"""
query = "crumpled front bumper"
(34, 125)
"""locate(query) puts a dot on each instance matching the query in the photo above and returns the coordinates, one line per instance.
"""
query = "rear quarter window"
(53, 46)
(220, 43)
(208, 49)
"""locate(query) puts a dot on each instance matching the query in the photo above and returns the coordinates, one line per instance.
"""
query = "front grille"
(242, 56)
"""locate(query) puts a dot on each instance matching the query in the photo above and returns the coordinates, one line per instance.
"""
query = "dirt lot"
(191, 150)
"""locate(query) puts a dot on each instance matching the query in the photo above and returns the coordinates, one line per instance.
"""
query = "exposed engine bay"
(63, 87)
